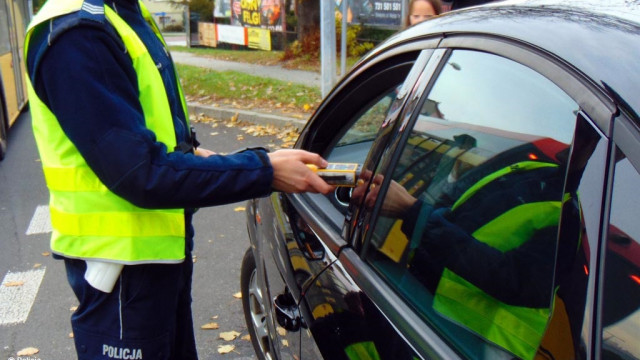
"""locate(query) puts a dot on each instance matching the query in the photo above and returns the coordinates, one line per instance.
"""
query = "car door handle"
(287, 312)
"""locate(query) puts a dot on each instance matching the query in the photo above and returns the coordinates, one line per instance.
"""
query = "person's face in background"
(420, 11)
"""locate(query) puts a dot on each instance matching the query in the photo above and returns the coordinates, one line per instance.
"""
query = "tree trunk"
(308, 13)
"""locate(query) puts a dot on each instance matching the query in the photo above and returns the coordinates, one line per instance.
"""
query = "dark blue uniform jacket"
(80, 69)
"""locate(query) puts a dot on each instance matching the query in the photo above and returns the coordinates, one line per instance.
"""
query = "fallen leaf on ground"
(46, 253)
(238, 295)
(35, 266)
(71, 335)
(246, 338)
(28, 351)
(13, 283)
(229, 335)
(73, 308)
(239, 208)
(225, 349)
(210, 326)
(281, 331)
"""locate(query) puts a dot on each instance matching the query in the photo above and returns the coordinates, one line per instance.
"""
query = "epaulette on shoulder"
(88, 15)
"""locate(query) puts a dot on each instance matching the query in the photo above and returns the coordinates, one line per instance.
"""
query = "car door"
(505, 142)
(306, 234)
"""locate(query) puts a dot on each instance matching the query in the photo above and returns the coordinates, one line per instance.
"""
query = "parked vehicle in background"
(14, 18)
(496, 216)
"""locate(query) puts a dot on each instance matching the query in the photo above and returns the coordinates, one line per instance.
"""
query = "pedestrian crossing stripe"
(17, 293)
(40, 222)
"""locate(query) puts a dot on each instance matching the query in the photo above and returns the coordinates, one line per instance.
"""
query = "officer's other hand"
(439, 226)
(291, 174)
(396, 202)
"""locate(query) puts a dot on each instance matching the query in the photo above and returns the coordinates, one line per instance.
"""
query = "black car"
(496, 211)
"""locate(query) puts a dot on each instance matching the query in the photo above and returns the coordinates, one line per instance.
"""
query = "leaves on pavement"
(225, 349)
(210, 326)
(229, 335)
(28, 351)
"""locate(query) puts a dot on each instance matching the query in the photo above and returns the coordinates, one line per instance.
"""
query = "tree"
(308, 13)
(204, 8)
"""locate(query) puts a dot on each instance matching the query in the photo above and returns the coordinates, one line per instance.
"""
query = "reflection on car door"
(275, 249)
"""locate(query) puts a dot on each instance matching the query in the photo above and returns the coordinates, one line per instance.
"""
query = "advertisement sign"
(222, 8)
(265, 14)
(231, 34)
(207, 34)
(259, 38)
(373, 12)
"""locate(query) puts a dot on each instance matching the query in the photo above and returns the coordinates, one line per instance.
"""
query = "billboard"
(374, 12)
(265, 14)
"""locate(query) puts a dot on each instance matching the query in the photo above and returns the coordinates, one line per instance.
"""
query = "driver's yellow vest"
(518, 329)
(88, 220)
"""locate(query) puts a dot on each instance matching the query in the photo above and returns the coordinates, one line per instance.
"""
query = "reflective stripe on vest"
(365, 350)
(517, 329)
(88, 220)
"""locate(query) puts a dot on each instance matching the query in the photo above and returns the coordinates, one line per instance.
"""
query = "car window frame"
(317, 210)
(626, 137)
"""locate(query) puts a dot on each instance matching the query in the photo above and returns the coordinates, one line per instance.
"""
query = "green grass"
(247, 56)
(206, 85)
(260, 57)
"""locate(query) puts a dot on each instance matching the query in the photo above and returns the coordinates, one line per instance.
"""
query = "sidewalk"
(276, 72)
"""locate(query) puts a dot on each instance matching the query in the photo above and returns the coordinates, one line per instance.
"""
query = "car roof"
(601, 38)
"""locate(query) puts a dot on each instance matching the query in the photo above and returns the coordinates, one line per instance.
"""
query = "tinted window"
(621, 307)
(469, 224)
(353, 146)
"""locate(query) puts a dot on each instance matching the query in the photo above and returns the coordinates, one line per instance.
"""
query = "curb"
(249, 116)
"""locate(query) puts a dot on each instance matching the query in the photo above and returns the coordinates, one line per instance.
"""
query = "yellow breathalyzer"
(338, 174)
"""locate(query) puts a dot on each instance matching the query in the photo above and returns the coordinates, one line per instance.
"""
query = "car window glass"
(354, 145)
(469, 222)
(621, 305)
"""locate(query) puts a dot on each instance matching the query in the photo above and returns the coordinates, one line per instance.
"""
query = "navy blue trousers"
(146, 316)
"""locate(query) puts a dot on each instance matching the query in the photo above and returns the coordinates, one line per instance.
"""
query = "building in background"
(167, 14)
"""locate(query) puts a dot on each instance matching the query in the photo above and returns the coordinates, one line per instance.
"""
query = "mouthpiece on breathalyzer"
(338, 174)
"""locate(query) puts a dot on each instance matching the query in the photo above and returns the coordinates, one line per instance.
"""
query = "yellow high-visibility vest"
(88, 220)
(518, 329)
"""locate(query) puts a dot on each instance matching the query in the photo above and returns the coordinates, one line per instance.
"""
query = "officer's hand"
(291, 174)
(204, 152)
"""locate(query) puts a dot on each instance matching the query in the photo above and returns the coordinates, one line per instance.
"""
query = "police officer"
(125, 175)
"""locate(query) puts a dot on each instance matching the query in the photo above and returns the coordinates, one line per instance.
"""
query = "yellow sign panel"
(259, 38)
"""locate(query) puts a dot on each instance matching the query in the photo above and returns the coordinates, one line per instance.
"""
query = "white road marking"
(16, 301)
(40, 222)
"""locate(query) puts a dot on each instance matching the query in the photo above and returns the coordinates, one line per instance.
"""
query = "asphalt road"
(36, 313)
